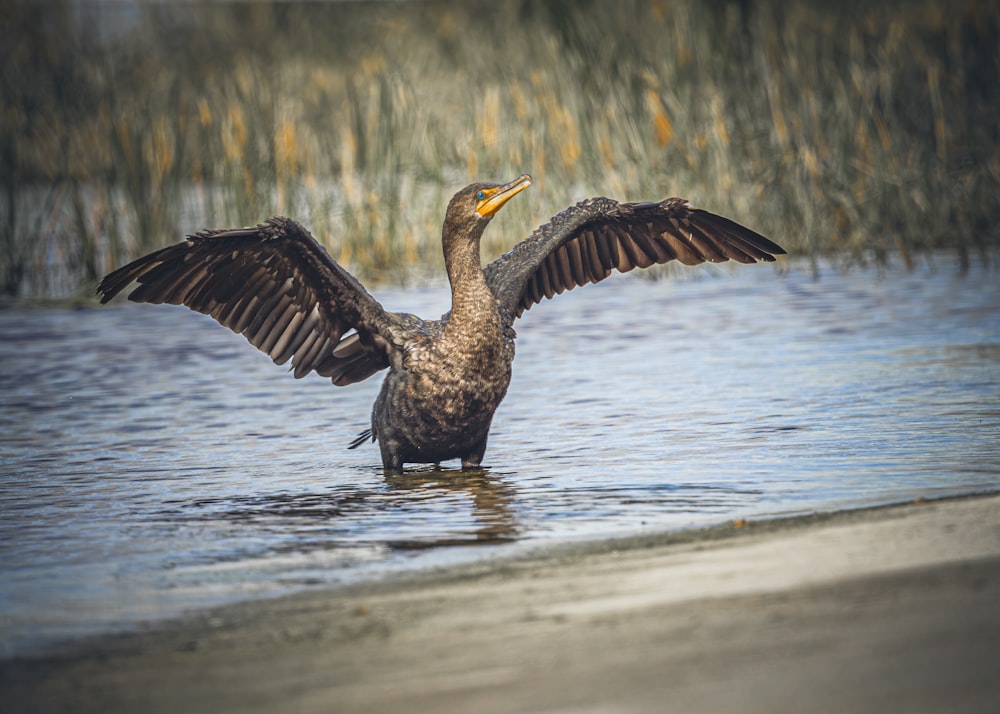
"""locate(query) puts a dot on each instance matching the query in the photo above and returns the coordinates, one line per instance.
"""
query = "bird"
(277, 285)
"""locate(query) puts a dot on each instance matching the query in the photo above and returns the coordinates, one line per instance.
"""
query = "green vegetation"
(861, 129)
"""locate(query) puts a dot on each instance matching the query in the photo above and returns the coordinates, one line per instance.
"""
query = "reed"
(856, 130)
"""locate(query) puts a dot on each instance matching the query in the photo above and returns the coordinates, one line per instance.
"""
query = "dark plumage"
(275, 284)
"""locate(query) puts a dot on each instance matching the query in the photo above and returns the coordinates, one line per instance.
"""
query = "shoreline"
(880, 608)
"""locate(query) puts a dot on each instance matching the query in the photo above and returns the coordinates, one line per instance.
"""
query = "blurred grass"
(863, 130)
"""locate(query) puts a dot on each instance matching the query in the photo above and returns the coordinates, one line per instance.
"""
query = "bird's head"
(472, 208)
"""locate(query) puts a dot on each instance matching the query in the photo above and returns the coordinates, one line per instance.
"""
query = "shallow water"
(153, 462)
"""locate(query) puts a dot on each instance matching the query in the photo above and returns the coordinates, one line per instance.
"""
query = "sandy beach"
(885, 609)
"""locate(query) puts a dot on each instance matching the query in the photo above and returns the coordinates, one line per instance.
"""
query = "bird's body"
(438, 403)
(275, 284)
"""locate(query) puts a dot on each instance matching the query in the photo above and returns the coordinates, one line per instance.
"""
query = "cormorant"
(278, 287)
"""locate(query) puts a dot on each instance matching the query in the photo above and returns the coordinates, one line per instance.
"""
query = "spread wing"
(278, 287)
(586, 242)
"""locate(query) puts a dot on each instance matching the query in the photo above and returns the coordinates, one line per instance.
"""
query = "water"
(152, 462)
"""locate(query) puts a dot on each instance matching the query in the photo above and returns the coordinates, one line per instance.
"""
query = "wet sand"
(888, 609)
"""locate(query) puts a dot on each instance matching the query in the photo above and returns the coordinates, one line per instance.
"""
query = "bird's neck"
(471, 299)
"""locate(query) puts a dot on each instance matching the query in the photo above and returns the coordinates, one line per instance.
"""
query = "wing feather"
(305, 352)
(258, 331)
(588, 241)
(607, 249)
(278, 287)
(536, 290)
(305, 328)
(276, 325)
(637, 258)
(562, 263)
(550, 268)
(681, 249)
(576, 263)
(597, 270)
(320, 348)
(286, 339)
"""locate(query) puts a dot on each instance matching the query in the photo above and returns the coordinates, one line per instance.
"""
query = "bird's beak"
(495, 198)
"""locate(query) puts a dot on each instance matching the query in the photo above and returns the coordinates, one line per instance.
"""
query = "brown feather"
(561, 256)
(576, 263)
(597, 271)
(588, 241)
(273, 283)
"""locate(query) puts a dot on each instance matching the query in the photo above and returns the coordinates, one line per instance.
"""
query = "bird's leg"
(475, 456)
(391, 460)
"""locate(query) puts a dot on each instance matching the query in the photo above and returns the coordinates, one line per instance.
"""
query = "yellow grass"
(861, 129)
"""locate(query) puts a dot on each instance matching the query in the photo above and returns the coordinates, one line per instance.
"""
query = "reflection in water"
(151, 462)
(336, 519)
(492, 503)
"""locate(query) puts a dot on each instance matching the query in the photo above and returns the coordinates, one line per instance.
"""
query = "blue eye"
(481, 195)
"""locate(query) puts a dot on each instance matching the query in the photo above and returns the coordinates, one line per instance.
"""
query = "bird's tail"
(362, 438)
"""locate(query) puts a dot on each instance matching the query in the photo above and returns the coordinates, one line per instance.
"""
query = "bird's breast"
(459, 378)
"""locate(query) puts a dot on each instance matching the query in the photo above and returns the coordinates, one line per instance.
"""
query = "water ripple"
(152, 462)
